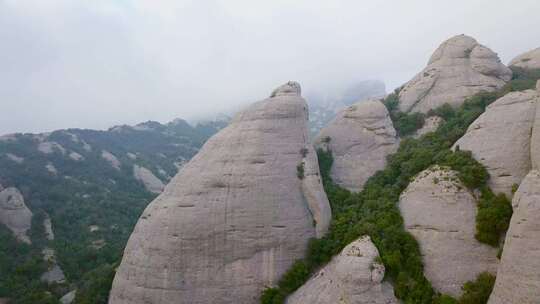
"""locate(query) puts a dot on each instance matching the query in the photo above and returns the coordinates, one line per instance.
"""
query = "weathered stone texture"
(234, 219)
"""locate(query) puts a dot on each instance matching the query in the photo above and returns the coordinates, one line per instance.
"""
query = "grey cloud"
(94, 64)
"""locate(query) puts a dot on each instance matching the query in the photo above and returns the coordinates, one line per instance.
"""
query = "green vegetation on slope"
(82, 194)
(374, 211)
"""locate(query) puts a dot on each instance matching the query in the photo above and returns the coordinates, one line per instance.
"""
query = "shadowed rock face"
(14, 214)
(440, 213)
(518, 277)
(501, 139)
(360, 138)
(353, 277)
(459, 68)
(528, 60)
(235, 218)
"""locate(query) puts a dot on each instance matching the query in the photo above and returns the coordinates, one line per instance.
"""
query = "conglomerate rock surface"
(359, 138)
(235, 218)
(459, 68)
(440, 213)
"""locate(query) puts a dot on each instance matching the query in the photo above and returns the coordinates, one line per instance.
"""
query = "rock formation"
(430, 125)
(69, 297)
(54, 273)
(441, 214)
(14, 214)
(235, 218)
(109, 157)
(459, 68)
(518, 277)
(360, 138)
(530, 60)
(500, 139)
(535, 136)
(149, 180)
(354, 277)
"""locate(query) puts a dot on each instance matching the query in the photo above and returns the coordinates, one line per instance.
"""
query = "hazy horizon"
(95, 64)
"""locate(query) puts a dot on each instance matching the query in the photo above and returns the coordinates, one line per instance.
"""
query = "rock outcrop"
(535, 136)
(360, 138)
(518, 277)
(54, 273)
(440, 213)
(111, 158)
(234, 219)
(501, 139)
(430, 125)
(14, 214)
(149, 180)
(354, 277)
(459, 68)
(69, 297)
(529, 60)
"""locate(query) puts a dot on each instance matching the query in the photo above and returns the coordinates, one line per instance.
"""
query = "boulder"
(149, 180)
(354, 277)
(518, 277)
(360, 138)
(500, 139)
(459, 68)
(234, 218)
(440, 213)
(14, 214)
(529, 60)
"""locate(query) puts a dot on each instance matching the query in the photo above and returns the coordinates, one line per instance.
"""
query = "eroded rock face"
(518, 277)
(440, 213)
(529, 60)
(500, 139)
(459, 68)
(360, 138)
(535, 136)
(149, 180)
(353, 277)
(14, 214)
(233, 219)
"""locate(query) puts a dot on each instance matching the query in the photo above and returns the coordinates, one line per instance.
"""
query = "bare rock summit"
(359, 138)
(14, 214)
(235, 217)
(529, 60)
(440, 213)
(354, 277)
(459, 68)
(500, 139)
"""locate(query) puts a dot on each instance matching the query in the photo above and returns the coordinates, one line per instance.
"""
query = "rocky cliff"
(440, 213)
(535, 136)
(459, 68)
(501, 139)
(360, 138)
(234, 218)
(529, 60)
(354, 277)
(518, 277)
(14, 214)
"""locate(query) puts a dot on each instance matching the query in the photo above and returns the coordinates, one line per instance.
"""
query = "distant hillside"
(91, 186)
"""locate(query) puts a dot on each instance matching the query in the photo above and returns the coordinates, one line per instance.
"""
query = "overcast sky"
(98, 63)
